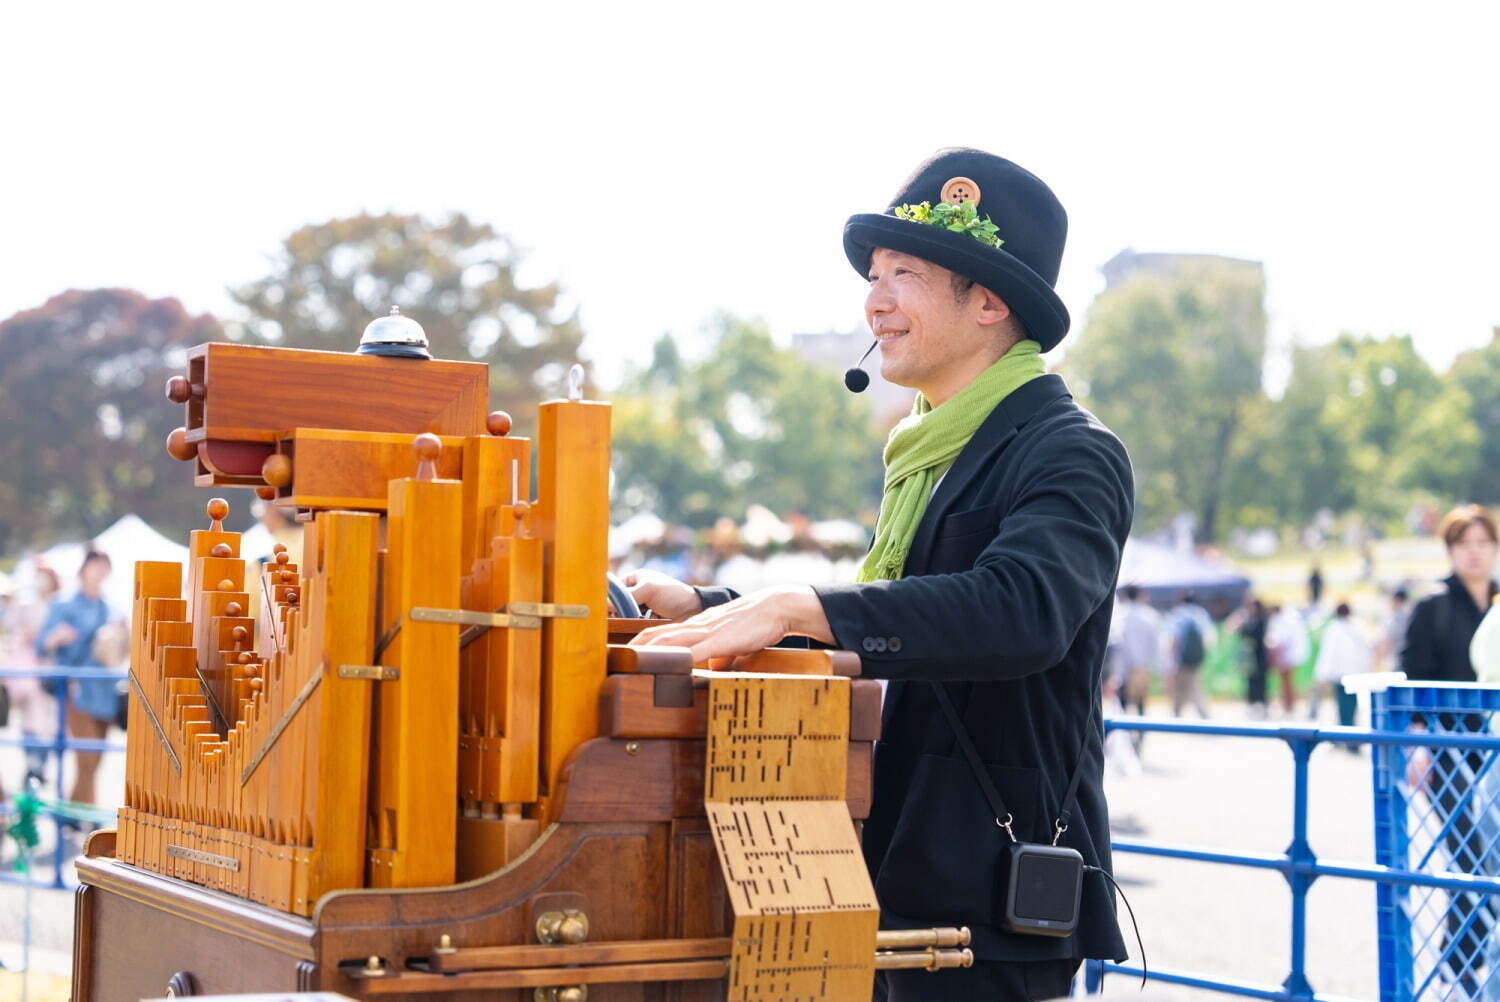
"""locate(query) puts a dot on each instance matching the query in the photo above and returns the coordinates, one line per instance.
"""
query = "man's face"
(925, 332)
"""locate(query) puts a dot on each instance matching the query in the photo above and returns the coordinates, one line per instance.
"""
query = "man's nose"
(879, 299)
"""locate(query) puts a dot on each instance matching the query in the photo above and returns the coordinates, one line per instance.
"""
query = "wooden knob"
(277, 470)
(292, 598)
(218, 511)
(522, 508)
(245, 656)
(279, 548)
(283, 557)
(221, 550)
(256, 684)
(266, 493)
(178, 447)
(180, 391)
(428, 448)
(240, 634)
(498, 423)
(225, 585)
(234, 610)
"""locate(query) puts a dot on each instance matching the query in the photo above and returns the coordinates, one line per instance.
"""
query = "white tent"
(130, 539)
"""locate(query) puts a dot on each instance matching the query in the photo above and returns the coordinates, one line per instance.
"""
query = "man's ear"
(992, 309)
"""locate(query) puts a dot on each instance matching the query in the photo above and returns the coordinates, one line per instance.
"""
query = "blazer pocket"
(943, 863)
(965, 523)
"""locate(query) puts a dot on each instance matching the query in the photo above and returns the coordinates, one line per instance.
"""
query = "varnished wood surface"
(254, 394)
(663, 779)
(627, 952)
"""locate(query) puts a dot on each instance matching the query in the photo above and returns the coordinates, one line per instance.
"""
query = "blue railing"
(1299, 864)
(55, 748)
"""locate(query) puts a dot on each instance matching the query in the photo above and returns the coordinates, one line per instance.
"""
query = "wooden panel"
(663, 779)
(345, 591)
(650, 660)
(140, 929)
(791, 661)
(256, 394)
(572, 515)
(415, 789)
(350, 469)
(628, 709)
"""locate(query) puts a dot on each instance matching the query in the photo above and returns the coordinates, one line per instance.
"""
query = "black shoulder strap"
(1003, 817)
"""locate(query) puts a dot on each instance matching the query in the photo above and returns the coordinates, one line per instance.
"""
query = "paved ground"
(1232, 794)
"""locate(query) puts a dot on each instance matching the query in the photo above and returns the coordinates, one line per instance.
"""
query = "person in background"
(1140, 648)
(1191, 632)
(1436, 649)
(1252, 629)
(1315, 586)
(68, 637)
(1286, 639)
(1343, 651)
(28, 697)
(1393, 634)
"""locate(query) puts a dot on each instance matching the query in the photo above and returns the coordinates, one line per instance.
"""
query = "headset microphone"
(856, 379)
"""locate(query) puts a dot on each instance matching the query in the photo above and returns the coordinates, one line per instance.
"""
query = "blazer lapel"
(994, 433)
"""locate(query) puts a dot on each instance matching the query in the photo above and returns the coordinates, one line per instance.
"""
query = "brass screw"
(445, 944)
(632, 748)
(374, 966)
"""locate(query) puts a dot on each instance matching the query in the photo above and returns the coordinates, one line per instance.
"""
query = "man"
(1140, 643)
(1393, 633)
(992, 572)
(1191, 631)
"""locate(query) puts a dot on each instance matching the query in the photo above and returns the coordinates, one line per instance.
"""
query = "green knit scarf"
(925, 443)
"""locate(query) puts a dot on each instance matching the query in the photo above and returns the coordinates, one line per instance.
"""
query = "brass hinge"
(374, 673)
(548, 610)
(469, 617)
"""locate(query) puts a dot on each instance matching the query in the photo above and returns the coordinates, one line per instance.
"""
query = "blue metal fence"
(1393, 873)
(54, 750)
(1438, 808)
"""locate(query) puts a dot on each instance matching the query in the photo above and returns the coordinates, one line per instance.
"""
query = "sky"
(666, 161)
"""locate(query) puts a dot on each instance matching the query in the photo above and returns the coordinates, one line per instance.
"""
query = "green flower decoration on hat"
(962, 218)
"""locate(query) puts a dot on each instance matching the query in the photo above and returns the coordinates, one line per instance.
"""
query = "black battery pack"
(1042, 889)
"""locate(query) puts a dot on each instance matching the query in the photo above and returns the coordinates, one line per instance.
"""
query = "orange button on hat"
(959, 190)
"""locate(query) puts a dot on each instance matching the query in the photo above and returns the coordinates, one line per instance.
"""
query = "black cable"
(1105, 874)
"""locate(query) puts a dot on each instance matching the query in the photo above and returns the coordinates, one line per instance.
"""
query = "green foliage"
(962, 218)
(456, 278)
(750, 423)
(1401, 428)
(1477, 373)
(1173, 364)
(83, 419)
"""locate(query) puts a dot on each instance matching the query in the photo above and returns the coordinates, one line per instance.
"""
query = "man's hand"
(663, 595)
(746, 625)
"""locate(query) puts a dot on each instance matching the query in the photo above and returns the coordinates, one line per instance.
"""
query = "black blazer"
(1007, 599)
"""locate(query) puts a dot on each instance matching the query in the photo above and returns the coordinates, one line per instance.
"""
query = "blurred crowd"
(1302, 653)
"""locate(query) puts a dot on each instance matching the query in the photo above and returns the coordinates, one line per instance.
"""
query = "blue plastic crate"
(1437, 811)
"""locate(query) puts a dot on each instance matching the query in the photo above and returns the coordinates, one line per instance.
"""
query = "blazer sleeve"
(715, 595)
(1053, 561)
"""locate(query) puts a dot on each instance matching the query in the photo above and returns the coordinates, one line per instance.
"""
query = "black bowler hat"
(1030, 221)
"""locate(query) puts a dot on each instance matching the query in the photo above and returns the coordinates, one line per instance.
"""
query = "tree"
(1403, 428)
(1477, 373)
(456, 278)
(1171, 362)
(750, 423)
(83, 421)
